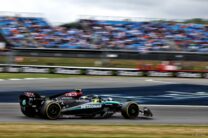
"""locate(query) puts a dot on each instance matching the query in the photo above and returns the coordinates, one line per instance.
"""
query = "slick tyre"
(28, 111)
(130, 110)
(51, 110)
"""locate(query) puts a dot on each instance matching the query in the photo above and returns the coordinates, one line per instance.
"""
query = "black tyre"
(51, 110)
(130, 110)
(26, 109)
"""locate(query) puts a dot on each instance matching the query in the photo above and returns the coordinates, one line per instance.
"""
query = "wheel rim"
(133, 110)
(53, 111)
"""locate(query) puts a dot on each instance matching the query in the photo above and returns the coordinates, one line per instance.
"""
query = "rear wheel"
(26, 108)
(51, 110)
(130, 110)
(28, 111)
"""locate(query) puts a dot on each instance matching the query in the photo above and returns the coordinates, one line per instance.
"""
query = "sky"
(62, 11)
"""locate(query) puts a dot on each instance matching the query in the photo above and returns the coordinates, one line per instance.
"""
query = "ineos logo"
(86, 106)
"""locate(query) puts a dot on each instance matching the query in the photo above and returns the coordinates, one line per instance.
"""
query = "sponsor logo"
(99, 72)
(87, 106)
(1, 69)
(189, 75)
(13, 69)
(206, 75)
(129, 73)
(35, 70)
(160, 74)
(67, 71)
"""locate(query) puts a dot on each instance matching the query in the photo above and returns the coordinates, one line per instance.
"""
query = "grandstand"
(36, 32)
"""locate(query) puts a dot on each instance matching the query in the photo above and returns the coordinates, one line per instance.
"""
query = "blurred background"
(169, 41)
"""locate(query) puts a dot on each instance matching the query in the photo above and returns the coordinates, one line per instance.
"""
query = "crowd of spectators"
(30, 32)
(151, 36)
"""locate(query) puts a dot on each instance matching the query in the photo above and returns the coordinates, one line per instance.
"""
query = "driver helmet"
(96, 99)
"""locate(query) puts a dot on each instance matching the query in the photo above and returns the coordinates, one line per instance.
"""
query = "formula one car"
(74, 103)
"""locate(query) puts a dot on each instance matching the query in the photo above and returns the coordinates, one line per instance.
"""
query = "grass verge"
(38, 75)
(93, 62)
(28, 75)
(8, 130)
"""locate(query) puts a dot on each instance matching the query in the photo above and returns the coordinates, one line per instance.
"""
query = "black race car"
(74, 103)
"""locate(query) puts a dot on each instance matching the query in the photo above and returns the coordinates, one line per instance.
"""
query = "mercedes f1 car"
(74, 103)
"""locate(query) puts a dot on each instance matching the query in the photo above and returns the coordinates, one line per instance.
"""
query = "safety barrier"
(100, 71)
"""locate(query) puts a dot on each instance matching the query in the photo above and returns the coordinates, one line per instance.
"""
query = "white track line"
(34, 78)
(158, 81)
(14, 79)
(17, 79)
(30, 78)
(42, 78)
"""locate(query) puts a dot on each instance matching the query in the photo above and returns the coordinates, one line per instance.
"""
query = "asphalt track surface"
(166, 90)
(162, 115)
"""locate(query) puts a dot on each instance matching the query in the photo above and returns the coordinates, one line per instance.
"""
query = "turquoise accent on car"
(111, 102)
(73, 108)
(84, 106)
(23, 102)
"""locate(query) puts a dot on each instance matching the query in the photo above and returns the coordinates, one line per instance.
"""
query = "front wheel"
(51, 110)
(130, 110)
